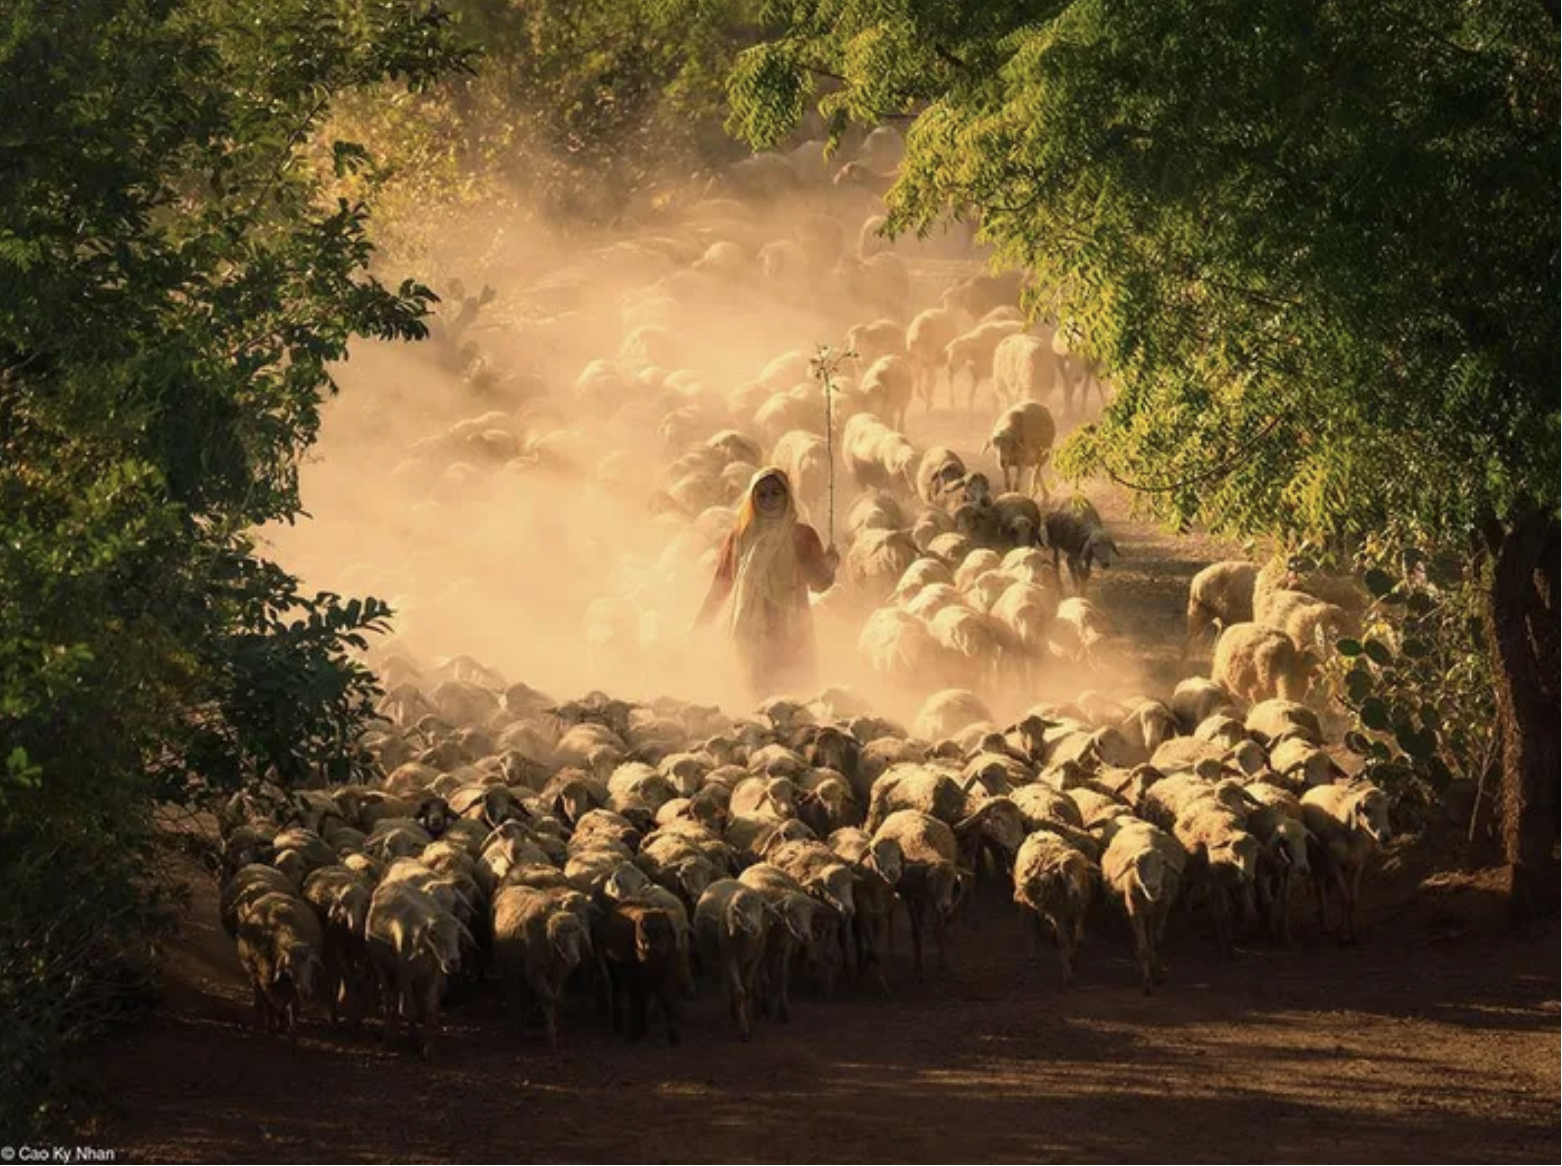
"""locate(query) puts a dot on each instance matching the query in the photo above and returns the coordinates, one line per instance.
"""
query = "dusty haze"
(481, 486)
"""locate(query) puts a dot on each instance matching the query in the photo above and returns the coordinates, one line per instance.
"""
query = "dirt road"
(1435, 1040)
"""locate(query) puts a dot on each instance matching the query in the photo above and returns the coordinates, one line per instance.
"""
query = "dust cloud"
(512, 486)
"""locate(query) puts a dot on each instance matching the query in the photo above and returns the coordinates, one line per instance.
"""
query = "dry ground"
(1436, 1039)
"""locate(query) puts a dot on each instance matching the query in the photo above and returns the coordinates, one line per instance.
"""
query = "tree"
(173, 290)
(1316, 244)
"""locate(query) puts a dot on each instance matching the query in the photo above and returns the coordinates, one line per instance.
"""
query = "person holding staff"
(769, 563)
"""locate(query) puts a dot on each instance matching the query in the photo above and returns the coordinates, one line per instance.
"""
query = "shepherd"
(769, 563)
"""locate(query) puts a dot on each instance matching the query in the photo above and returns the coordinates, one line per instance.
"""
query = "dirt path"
(1435, 1040)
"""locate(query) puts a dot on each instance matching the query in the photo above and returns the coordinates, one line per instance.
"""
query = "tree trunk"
(1523, 627)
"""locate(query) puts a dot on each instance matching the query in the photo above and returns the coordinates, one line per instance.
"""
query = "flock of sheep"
(640, 851)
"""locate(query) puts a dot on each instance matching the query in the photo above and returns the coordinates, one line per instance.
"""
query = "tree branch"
(1218, 471)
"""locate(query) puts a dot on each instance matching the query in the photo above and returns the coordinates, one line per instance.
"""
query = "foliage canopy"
(1316, 244)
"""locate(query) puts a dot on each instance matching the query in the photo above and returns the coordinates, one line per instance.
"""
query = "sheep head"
(1367, 813)
(568, 939)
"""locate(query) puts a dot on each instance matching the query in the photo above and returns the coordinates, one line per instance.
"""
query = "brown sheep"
(640, 945)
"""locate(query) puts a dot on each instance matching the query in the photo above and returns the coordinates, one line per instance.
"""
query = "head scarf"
(764, 591)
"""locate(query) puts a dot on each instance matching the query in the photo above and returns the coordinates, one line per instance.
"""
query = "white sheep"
(540, 936)
(1053, 879)
(414, 947)
(927, 336)
(1255, 663)
(1218, 596)
(875, 340)
(731, 925)
(878, 457)
(945, 713)
(1024, 369)
(1142, 868)
(1023, 437)
(971, 355)
(886, 388)
(932, 883)
(1348, 824)
(280, 946)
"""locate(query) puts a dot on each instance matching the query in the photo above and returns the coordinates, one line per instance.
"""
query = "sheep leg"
(784, 984)
(732, 989)
(428, 1018)
(914, 915)
(1066, 941)
(667, 998)
(1352, 883)
(639, 1003)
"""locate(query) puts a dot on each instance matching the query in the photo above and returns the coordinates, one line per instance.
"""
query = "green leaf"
(1377, 582)
(1416, 649)
(1374, 714)
(1347, 646)
(1358, 684)
(1378, 652)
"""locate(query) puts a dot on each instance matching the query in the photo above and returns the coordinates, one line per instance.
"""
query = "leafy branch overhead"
(1316, 243)
(174, 288)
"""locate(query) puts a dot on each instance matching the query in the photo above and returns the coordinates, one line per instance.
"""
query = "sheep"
(979, 294)
(340, 896)
(1142, 867)
(677, 864)
(824, 876)
(540, 936)
(1273, 576)
(642, 949)
(414, 947)
(1218, 596)
(1022, 437)
(1078, 630)
(1309, 621)
(1081, 542)
(1077, 367)
(972, 354)
(877, 868)
(1228, 861)
(1019, 521)
(1053, 880)
(939, 472)
(1282, 862)
(297, 852)
(731, 925)
(1196, 698)
(1298, 763)
(886, 388)
(1026, 613)
(1255, 663)
(1347, 824)
(1271, 721)
(791, 931)
(897, 645)
(927, 336)
(280, 946)
(931, 882)
(946, 712)
(879, 458)
(802, 456)
(244, 886)
(925, 572)
(929, 525)
(1024, 369)
(972, 643)
(1147, 724)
